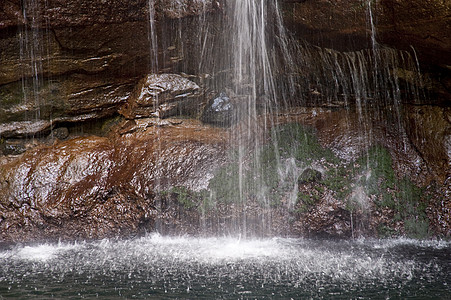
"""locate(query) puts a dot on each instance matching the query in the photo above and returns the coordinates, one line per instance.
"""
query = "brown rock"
(429, 129)
(345, 25)
(163, 95)
(96, 187)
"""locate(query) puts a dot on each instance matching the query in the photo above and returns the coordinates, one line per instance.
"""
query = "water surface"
(159, 267)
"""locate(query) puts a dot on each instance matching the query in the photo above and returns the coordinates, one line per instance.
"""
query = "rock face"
(58, 13)
(419, 27)
(95, 187)
(176, 176)
(308, 176)
(346, 25)
(81, 61)
(163, 95)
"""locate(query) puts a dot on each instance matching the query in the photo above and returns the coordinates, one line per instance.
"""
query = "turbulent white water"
(221, 267)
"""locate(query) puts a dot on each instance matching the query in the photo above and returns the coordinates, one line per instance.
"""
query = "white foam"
(296, 259)
(43, 252)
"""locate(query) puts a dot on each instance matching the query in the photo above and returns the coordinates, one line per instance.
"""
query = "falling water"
(153, 38)
(251, 81)
(31, 55)
(256, 40)
(249, 56)
(366, 80)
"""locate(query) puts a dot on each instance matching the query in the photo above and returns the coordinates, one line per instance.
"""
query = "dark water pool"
(158, 267)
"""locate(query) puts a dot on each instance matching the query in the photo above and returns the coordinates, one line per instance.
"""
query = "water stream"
(31, 59)
(264, 70)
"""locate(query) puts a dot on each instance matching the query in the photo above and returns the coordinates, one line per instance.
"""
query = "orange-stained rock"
(95, 186)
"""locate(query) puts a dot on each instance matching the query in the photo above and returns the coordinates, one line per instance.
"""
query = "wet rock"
(24, 129)
(74, 62)
(60, 133)
(184, 8)
(58, 13)
(74, 99)
(11, 13)
(331, 223)
(94, 187)
(219, 111)
(9, 147)
(429, 128)
(419, 24)
(343, 25)
(163, 95)
(308, 176)
(417, 27)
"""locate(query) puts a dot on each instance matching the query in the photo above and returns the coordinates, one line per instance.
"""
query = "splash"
(154, 266)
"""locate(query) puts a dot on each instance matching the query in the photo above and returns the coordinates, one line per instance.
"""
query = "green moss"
(376, 174)
(402, 196)
(306, 202)
(411, 204)
(377, 164)
(352, 205)
(319, 189)
(387, 201)
(108, 124)
(225, 183)
(417, 227)
(184, 197)
(339, 180)
(385, 231)
(409, 192)
(300, 142)
(260, 177)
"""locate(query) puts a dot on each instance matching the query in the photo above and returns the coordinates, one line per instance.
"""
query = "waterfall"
(252, 81)
(256, 46)
(248, 56)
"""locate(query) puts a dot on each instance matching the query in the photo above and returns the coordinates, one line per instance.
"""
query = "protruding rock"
(308, 176)
(12, 147)
(91, 187)
(24, 128)
(60, 133)
(219, 111)
(163, 95)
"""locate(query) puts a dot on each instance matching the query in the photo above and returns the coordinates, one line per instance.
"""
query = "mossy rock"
(377, 162)
(339, 180)
(12, 147)
(301, 142)
(183, 197)
(306, 202)
(224, 185)
(309, 175)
